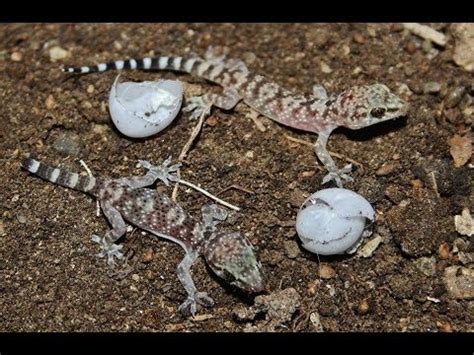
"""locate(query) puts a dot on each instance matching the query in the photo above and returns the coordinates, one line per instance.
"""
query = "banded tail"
(213, 71)
(61, 177)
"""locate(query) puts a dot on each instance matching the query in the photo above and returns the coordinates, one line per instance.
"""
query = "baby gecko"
(354, 108)
(229, 255)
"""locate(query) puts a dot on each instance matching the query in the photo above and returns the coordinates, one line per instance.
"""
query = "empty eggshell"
(143, 109)
(332, 221)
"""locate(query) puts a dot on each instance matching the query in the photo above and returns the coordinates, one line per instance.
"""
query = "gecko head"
(231, 257)
(364, 106)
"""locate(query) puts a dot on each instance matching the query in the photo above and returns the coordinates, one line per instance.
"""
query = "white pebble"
(143, 109)
(57, 53)
(332, 221)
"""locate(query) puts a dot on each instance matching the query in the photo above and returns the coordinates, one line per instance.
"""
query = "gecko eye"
(378, 112)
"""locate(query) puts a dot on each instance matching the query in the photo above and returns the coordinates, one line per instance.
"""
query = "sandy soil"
(51, 279)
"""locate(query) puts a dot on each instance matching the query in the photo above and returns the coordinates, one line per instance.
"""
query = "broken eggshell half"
(143, 109)
(332, 221)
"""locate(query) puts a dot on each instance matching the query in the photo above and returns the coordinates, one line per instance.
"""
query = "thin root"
(186, 148)
(208, 194)
(184, 151)
(237, 187)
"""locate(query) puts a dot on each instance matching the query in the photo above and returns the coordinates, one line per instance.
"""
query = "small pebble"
(308, 173)
(16, 56)
(396, 27)
(371, 30)
(443, 251)
(21, 218)
(431, 87)
(385, 169)
(405, 92)
(416, 183)
(459, 282)
(444, 326)
(410, 47)
(426, 265)
(368, 249)
(148, 255)
(460, 148)
(318, 37)
(86, 105)
(326, 272)
(291, 249)
(464, 223)
(463, 55)
(358, 38)
(312, 287)
(90, 89)
(50, 102)
(454, 97)
(326, 69)
(135, 277)
(363, 307)
(212, 121)
(315, 320)
(346, 50)
(249, 57)
(57, 53)
(426, 46)
(249, 154)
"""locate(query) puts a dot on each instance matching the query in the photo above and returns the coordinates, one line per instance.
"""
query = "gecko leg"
(194, 297)
(320, 147)
(164, 172)
(201, 104)
(212, 215)
(107, 243)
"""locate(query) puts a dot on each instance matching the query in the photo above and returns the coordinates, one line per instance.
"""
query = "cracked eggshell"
(332, 221)
(143, 109)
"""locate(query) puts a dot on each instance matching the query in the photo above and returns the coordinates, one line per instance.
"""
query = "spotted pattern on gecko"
(229, 255)
(355, 108)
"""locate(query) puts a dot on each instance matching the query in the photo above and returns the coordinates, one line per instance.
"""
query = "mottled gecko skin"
(229, 255)
(357, 107)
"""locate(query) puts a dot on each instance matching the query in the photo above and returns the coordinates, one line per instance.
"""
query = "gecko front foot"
(190, 305)
(108, 249)
(164, 172)
(339, 175)
(198, 106)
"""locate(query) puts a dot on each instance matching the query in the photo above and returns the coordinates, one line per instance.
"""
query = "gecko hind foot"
(190, 305)
(339, 175)
(111, 250)
(198, 106)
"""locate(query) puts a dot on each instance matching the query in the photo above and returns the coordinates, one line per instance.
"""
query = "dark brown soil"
(51, 279)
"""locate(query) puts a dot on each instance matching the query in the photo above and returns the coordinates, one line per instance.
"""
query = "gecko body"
(229, 255)
(357, 107)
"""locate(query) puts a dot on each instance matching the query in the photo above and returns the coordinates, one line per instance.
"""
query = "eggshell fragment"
(143, 109)
(332, 221)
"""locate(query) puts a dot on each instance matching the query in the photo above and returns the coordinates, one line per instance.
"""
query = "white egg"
(332, 221)
(143, 109)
